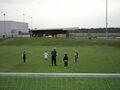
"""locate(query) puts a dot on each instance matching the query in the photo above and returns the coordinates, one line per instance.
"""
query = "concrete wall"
(10, 28)
(94, 34)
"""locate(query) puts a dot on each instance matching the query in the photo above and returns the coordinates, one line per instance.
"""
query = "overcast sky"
(62, 13)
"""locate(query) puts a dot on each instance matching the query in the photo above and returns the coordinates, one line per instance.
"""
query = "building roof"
(14, 21)
(52, 29)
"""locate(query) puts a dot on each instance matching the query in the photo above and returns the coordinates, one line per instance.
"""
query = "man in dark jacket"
(54, 54)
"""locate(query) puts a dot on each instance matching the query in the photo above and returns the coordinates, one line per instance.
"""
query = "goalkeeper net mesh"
(59, 81)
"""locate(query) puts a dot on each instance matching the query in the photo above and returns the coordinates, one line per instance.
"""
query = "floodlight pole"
(106, 19)
(4, 25)
(24, 20)
(31, 23)
(23, 17)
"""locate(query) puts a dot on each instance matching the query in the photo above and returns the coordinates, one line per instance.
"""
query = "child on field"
(45, 55)
(24, 57)
(76, 57)
(65, 59)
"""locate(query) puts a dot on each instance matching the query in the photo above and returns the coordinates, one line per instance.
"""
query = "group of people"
(65, 58)
(54, 55)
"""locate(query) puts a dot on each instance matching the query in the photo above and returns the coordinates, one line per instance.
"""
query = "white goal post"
(62, 74)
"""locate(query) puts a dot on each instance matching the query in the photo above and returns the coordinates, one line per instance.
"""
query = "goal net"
(59, 81)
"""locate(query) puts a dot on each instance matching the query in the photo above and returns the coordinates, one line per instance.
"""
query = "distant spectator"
(90, 38)
(65, 59)
(53, 56)
(45, 55)
(24, 57)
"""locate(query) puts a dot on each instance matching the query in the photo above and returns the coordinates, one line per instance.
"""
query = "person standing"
(76, 57)
(24, 57)
(45, 55)
(53, 56)
(65, 59)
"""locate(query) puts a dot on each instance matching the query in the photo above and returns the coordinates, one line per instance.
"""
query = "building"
(56, 32)
(76, 32)
(12, 28)
(96, 32)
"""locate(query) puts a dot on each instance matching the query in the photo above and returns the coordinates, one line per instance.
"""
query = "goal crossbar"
(62, 74)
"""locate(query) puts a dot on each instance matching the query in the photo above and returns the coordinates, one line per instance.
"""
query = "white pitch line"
(62, 74)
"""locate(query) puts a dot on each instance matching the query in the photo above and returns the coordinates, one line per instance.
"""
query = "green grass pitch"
(33, 83)
(95, 56)
(99, 56)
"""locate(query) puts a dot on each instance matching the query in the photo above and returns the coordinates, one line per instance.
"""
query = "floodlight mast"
(4, 25)
(31, 23)
(106, 19)
(23, 18)
(24, 21)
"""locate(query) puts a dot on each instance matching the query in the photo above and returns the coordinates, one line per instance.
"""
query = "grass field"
(95, 56)
(30, 83)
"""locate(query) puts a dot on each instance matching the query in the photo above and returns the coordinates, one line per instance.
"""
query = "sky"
(62, 13)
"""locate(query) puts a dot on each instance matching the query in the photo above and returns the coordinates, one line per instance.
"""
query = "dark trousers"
(53, 61)
(65, 64)
(24, 59)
